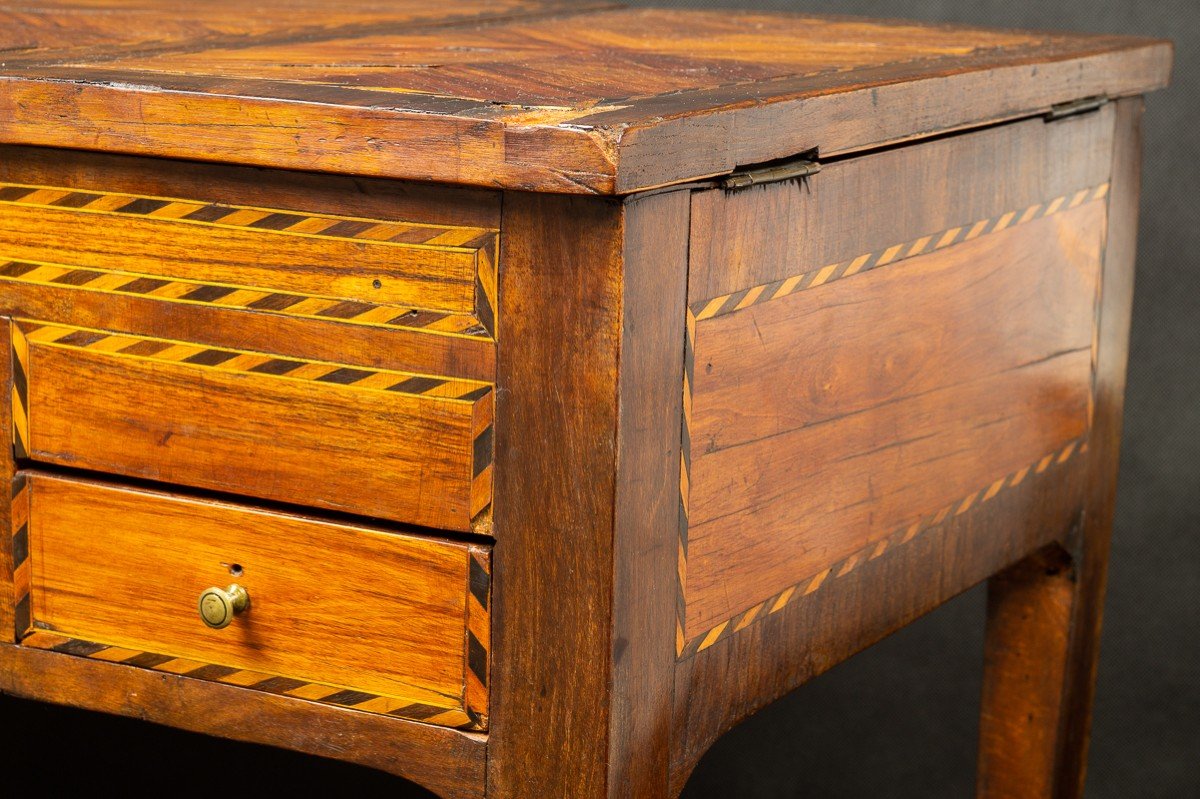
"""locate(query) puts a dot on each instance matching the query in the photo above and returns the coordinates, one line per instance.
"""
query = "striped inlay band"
(476, 242)
(728, 303)
(258, 681)
(688, 645)
(243, 362)
(813, 583)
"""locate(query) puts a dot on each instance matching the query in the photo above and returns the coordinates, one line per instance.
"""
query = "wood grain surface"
(293, 257)
(125, 568)
(873, 202)
(379, 443)
(447, 761)
(826, 420)
(1044, 624)
(583, 100)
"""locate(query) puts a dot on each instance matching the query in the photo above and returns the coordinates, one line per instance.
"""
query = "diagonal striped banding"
(257, 681)
(244, 298)
(728, 303)
(473, 242)
(897, 538)
(22, 569)
(478, 635)
(228, 360)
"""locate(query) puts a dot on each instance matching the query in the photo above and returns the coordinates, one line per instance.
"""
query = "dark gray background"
(898, 720)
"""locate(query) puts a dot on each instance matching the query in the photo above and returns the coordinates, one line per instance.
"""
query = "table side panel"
(844, 409)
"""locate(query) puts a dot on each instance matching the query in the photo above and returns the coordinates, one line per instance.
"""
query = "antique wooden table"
(513, 396)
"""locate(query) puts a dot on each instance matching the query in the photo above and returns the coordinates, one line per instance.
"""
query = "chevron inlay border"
(477, 243)
(688, 645)
(903, 535)
(325, 694)
(121, 345)
(728, 303)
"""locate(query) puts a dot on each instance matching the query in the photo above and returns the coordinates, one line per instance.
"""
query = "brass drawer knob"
(218, 606)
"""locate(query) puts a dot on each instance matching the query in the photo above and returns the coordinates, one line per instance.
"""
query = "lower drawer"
(339, 614)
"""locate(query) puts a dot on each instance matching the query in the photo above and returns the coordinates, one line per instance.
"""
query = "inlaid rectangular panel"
(840, 411)
(404, 447)
(382, 272)
(339, 614)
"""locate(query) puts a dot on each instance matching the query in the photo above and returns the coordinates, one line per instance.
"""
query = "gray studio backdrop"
(899, 720)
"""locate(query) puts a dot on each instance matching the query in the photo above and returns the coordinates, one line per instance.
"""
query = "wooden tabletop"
(545, 95)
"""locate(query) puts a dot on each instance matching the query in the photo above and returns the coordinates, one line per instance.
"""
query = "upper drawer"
(377, 270)
(398, 446)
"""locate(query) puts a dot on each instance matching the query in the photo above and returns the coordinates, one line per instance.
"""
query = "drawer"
(392, 445)
(338, 614)
(377, 271)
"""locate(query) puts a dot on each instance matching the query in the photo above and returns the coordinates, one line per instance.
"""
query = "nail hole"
(377, 284)
(236, 569)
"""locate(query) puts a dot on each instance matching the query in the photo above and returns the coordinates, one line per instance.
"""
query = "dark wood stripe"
(480, 582)
(212, 672)
(416, 385)
(275, 302)
(147, 660)
(18, 485)
(278, 685)
(347, 228)
(347, 310)
(76, 277)
(21, 617)
(685, 446)
(418, 235)
(21, 383)
(142, 206)
(20, 545)
(81, 338)
(345, 376)
(477, 394)
(482, 450)
(80, 648)
(477, 657)
(210, 357)
(16, 268)
(278, 221)
(142, 285)
(479, 241)
(277, 366)
(210, 213)
(484, 310)
(207, 293)
(349, 698)
(415, 318)
(76, 199)
(13, 194)
(731, 301)
(418, 712)
(146, 348)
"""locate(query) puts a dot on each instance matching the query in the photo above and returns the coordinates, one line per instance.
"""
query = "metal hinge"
(802, 167)
(1075, 107)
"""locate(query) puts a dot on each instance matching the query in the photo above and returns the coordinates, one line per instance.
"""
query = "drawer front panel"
(378, 271)
(338, 614)
(397, 446)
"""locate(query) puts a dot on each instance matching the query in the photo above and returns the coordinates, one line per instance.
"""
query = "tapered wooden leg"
(1038, 633)
(1044, 613)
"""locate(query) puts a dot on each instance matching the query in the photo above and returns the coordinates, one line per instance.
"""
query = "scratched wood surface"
(406, 447)
(824, 421)
(525, 95)
(322, 596)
